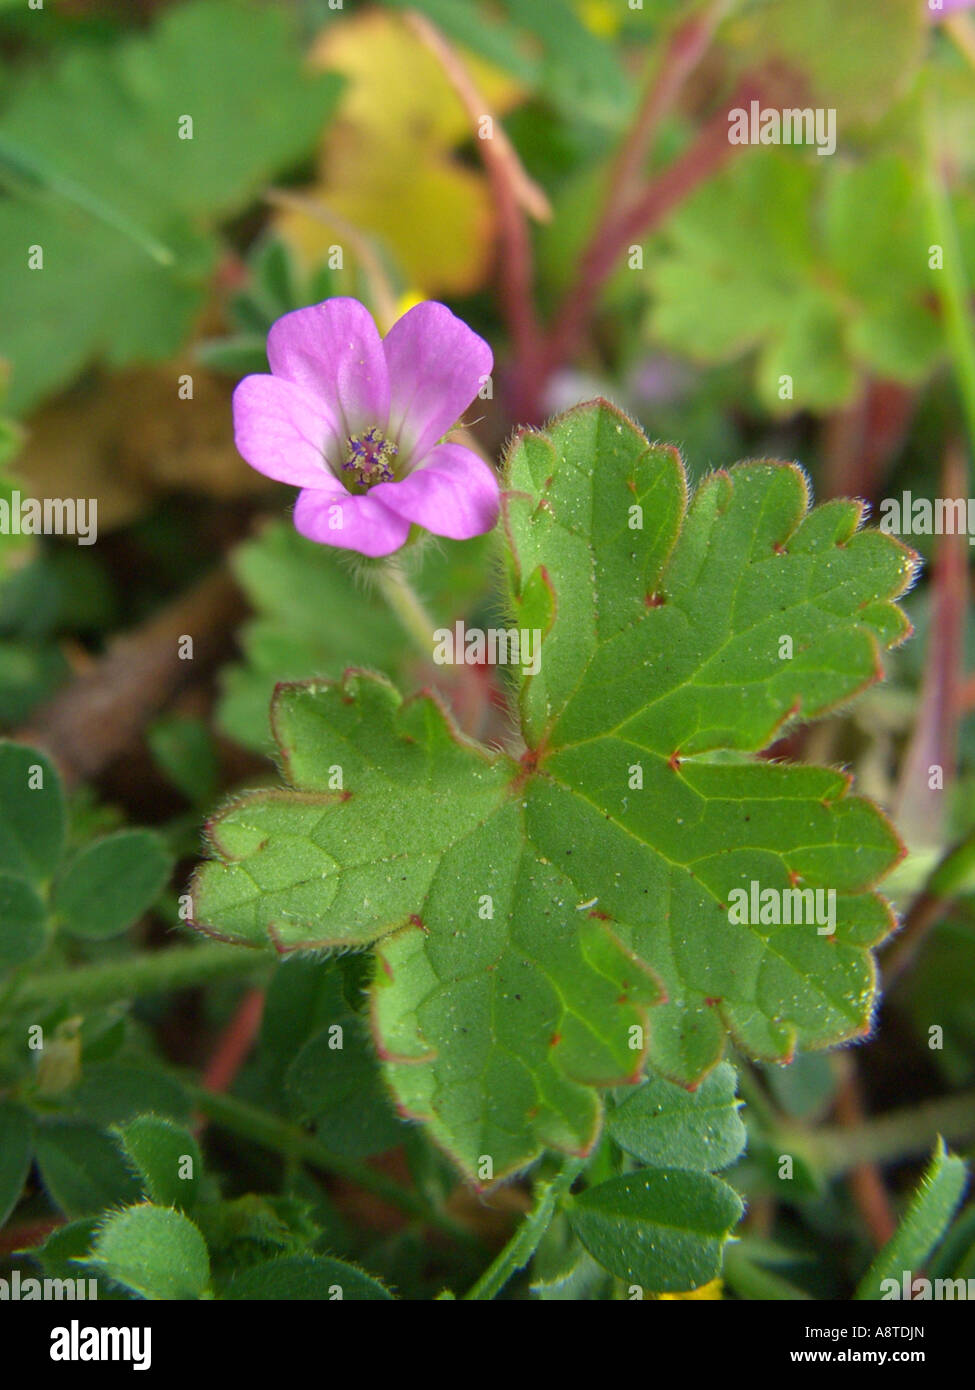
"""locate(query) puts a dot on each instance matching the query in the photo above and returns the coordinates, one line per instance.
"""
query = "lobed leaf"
(124, 237)
(526, 913)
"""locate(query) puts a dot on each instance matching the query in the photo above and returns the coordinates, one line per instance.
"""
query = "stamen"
(370, 457)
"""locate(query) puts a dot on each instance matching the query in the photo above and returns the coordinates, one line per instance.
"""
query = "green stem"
(525, 1240)
(907, 1133)
(952, 287)
(155, 972)
(260, 1127)
(399, 594)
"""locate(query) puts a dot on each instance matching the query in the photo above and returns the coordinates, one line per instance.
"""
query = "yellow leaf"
(388, 163)
(397, 89)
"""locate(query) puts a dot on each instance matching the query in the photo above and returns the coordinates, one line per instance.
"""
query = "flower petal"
(436, 368)
(284, 432)
(453, 493)
(349, 522)
(334, 350)
(947, 8)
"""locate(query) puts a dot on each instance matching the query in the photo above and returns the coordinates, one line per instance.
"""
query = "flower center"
(370, 457)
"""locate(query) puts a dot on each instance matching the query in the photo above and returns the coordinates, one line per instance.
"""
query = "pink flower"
(941, 10)
(354, 421)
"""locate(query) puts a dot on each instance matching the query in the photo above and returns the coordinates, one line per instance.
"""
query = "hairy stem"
(864, 1181)
(514, 195)
(525, 1240)
(707, 154)
(399, 594)
(682, 54)
(155, 972)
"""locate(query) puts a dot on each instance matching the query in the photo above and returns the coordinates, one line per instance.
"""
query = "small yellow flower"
(601, 17)
(706, 1291)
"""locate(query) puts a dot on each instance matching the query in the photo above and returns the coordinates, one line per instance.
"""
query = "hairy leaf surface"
(527, 912)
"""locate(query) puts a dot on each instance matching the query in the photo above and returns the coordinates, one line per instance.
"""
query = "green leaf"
(662, 1228)
(955, 1255)
(318, 1058)
(313, 618)
(339, 1089)
(22, 918)
(562, 1268)
(165, 1156)
(121, 205)
(15, 1155)
(302, 997)
(32, 814)
(111, 883)
(237, 355)
(311, 1277)
(60, 1253)
(941, 995)
(820, 268)
(185, 751)
(525, 912)
(28, 672)
(832, 49)
(81, 1168)
(666, 1126)
(806, 1088)
(154, 1251)
(288, 874)
(666, 652)
(249, 1230)
(922, 1227)
(12, 547)
(64, 1255)
(112, 1092)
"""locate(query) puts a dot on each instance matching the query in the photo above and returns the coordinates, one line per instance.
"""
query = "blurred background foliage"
(606, 239)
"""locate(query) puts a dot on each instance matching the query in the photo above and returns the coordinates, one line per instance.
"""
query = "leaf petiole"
(526, 1239)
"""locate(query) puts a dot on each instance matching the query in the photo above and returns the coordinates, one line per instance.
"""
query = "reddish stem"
(709, 152)
(513, 192)
(235, 1042)
(920, 809)
(865, 1183)
(861, 439)
(685, 49)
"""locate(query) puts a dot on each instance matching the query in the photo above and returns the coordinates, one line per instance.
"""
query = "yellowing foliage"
(388, 163)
